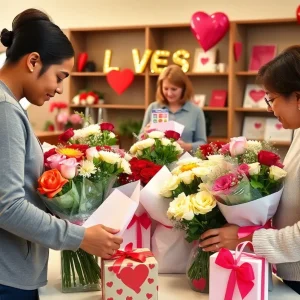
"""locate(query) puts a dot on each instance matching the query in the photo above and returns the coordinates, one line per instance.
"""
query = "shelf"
(211, 139)
(110, 106)
(246, 73)
(96, 74)
(248, 109)
(207, 108)
(199, 74)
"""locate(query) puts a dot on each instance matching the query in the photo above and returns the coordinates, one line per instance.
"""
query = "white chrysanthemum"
(165, 142)
(93, 129)
(188, 161)
(109, 157)
(254, 146)
(176, 170)
(87, 168)
(156, 134)
(124, 164)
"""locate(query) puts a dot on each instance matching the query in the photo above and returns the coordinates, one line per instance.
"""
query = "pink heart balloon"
(209, 29)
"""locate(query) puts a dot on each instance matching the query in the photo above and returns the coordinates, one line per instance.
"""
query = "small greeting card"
(199, 100)
(254, 127)
(218, 98)
(275, 132)
(159, 115)
(254, 96)
(260, 55)
(205, 61)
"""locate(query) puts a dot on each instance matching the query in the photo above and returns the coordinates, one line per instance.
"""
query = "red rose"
(171, 134)
(268, 158)
(48, 154)
(148, 173)
(64, 137)
(107, 126)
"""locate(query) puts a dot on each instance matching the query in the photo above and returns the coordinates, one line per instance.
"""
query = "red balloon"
(298, 14)
(209, 29)
(82, 59)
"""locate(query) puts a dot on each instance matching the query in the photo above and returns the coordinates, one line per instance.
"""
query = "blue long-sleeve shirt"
(189, 115)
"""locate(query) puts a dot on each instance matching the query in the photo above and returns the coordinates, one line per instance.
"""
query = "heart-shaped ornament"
(209, 29)
(204, 60)
(257, 95)
(278, 126)
(119, 81)
(257, 125)
(199, 284)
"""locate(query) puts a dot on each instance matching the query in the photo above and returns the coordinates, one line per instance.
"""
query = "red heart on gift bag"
(199, 284)
(110, 298)
(109, 284)
(257, 125)
(278, 126)
(256, 96)
(119, 292)
(204, 60)
(110, 269)
(149, 296)
(152, 266)
(128, 298)
(150, 280)
(119, 81)
(134, 278)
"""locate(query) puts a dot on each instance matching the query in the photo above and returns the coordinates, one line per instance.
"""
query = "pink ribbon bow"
(141, 221)
(242, 275)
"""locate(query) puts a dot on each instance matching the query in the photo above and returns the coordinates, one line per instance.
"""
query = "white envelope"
(170, 125)
(118, 209)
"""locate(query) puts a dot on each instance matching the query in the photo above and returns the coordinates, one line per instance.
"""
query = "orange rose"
(51, 183)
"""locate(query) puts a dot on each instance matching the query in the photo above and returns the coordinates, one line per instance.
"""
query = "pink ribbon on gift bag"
(141, 221)
(247, 230)
(242, 275)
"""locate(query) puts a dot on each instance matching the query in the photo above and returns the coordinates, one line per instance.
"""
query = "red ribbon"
(141, 221)
(242, 275)
(128, 252)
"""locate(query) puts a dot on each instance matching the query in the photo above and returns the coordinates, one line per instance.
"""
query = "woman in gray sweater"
(281, 246)
(39, 58)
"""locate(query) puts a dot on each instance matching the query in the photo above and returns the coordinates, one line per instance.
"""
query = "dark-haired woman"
(281, 246)
(39, 58)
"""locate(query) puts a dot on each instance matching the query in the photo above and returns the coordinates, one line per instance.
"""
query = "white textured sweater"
(281, 246)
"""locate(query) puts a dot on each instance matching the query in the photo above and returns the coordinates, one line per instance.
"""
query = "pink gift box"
(237, 275)
(127, 278)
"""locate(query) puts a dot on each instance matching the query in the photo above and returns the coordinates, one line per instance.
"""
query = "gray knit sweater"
(282, 246)
(26, 230)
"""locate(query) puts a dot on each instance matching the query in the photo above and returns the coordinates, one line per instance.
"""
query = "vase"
(198, 269)
(80, 272)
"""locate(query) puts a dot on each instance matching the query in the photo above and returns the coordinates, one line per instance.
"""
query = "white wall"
(86, 13)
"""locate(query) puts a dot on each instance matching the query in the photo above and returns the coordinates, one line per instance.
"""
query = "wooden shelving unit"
(226, 121)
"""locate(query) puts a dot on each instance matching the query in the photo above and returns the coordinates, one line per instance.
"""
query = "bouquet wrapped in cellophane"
(77, 180)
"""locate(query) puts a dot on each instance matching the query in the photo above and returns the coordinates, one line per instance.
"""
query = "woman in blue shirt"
(174, 92)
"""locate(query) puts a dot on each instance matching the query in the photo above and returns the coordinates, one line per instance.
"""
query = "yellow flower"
(202, 203)
(180, 208)
(277, 173)
(169, 186)
(69, 152)
(188, 167)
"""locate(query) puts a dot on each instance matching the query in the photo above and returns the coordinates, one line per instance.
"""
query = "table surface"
(171, 287)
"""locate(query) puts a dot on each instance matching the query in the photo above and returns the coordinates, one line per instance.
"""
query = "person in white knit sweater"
(281, 246)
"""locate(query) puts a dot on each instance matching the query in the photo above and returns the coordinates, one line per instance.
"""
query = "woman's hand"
(185, 146)
(214, 239)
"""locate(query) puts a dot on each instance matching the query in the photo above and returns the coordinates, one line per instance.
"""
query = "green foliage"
(130, 128)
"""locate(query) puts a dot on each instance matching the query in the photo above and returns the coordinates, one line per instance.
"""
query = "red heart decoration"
(128, 298)
(298, 14)
(199, 284)
(209, 29)
(257, 96)
(152, 266)
(109, 284)
(204, 60)
(82, 59)
(119, 292)
(257, 125)
(119, 81)
(110, 269)
(134, 278)
(150, 280)
(110, 298)
(149, 296)
(237, 50)
(278, 126)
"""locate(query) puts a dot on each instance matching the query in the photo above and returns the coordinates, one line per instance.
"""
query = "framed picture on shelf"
(254, 96)
(205, 61)
(260, 55)
(275, 132)
(254, 127)
(199, 100)
(218, 98)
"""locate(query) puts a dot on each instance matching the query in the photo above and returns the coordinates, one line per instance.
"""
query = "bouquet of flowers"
(92, 135)
(194, 211)
(208, 149)
(249, 191)
(159, 147)
(77, 180)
